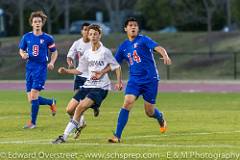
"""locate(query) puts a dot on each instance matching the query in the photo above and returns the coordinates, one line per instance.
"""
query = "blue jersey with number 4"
(37, 46)
(139, 55)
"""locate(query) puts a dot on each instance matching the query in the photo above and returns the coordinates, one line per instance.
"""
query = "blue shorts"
(36, 77)
(147, 90)
(95, 94)
(78, 82)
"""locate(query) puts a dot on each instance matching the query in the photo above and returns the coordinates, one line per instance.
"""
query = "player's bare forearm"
(53, 60)
(70, 62)
(54, 57)
(23, 54)
(106, 69)
(63, 70)
(119, 84)
(99, 74)
(164, 54)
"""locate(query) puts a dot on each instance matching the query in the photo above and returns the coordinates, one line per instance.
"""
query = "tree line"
(186, 15)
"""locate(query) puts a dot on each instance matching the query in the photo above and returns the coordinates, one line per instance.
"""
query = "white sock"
(81, 121)
(71, 125)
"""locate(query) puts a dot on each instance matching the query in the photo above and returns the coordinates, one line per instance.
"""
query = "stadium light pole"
(228, 13)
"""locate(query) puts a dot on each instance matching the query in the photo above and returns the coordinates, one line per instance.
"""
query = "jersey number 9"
(35, 50)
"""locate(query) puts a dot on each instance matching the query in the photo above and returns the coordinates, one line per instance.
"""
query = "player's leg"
(78, 83)
(82, 106)
(97, 95)
(34, 108)
(92, 97)
(131, 94)
(52, 103)
(39, 77)
(70, 109)
(123, 118)
(149, 96)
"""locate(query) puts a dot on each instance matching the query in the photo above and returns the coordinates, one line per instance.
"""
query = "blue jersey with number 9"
(37, 46)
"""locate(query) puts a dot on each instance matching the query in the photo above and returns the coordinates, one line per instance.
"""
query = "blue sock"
(35, 108)
(157, 115)
(122, 121)
(45, 101)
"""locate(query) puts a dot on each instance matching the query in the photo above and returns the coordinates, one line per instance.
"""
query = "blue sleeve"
(149, 42)
(119, 55)
(23, 44)
(51, 44)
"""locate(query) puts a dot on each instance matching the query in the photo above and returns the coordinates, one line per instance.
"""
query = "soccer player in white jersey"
(74, 55)
(95, 89)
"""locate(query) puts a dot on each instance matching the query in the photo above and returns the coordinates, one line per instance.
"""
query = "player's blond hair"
(38, 14)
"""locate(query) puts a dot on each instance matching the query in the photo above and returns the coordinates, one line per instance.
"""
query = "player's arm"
(99, 74)
(23, 54)
(70, 62)
(53, 60)
(119, 84)
(71, 55)
(63, 70)
(164, 54)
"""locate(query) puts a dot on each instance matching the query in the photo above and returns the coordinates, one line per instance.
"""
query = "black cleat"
(59, 140)
(79, 130)
(96, 112)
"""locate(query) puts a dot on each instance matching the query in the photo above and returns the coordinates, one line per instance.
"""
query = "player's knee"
(149, 113)
(128, 103)
(69, 111)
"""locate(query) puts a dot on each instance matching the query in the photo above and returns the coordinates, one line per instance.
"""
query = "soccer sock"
(157, 115)
(122, 121)
(71, 125)
(45, 101)
(35, 108)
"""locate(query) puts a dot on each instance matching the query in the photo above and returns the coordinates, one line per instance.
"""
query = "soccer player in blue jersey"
(137, 50)
(34, 47)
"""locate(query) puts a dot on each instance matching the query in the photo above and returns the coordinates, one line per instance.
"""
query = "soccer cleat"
(114, 139)
(59, 140)
(79, 130)
(96, 112)
(163, 126)
(29, 125)
(53, 107)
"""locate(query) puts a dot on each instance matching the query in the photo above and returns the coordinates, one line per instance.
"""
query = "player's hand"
(119, 86)
(70, 66)
(96, 75)
(62, 70)
(25, 55)
(50, 66)
(166, 60)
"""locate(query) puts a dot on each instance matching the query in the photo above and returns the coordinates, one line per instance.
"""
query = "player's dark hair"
(40, 14)
(95, 27)
(130, 19)
(85, 24)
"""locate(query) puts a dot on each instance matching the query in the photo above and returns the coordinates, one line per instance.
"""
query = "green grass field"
(200, 126)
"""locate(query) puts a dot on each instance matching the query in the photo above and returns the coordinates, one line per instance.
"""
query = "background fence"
(185, 66)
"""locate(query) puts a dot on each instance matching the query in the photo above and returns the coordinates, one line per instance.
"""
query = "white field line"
(48, 141)
(183, 134)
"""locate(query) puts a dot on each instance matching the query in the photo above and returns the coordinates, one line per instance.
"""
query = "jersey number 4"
(35, 50)
(134, 57)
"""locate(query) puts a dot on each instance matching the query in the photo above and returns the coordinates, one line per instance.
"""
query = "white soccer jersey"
(77, 49)
(97, 61)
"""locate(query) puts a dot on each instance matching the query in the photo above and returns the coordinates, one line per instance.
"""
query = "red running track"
(165, 86)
